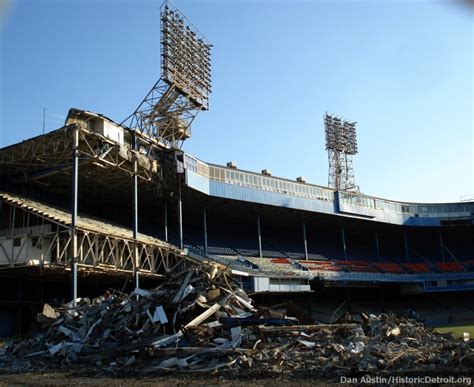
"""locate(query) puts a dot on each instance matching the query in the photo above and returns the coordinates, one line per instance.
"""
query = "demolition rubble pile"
(200, 321)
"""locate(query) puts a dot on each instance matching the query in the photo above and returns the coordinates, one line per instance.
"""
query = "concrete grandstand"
(276, 234)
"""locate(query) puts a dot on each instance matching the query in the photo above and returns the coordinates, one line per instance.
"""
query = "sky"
(402, 69)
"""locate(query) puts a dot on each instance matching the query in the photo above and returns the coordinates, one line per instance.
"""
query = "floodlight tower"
(182, 91)
(341, 144)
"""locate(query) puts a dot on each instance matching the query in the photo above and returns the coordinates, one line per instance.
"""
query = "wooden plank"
(199, 319)
(306, 327)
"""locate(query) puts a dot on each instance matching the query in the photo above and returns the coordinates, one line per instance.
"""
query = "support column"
(96, 250)
(13, 212)
(260, 253)
(41, 289)
(180, 215)
(12, 219)
(377, 247)
(205, 231)
(407, 253)
(305, 242)
(166, 222)
(75, 188)
(135, 213)
(344, 241)
(442, 245)
(19, 299)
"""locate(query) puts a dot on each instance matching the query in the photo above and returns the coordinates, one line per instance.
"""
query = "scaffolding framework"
(170, 107)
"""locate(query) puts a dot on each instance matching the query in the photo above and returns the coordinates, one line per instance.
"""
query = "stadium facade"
(96, 204)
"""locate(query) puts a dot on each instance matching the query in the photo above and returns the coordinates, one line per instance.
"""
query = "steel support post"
(407, 253)
(305, 242)
(180, 215)
(343, 234)
(19, 298)
(166, 222)
(12, 212)
(205, 231)
(12, 219)
(75, 188)
(260, 253)
(135, 213)
(442, 245)
(377, 246)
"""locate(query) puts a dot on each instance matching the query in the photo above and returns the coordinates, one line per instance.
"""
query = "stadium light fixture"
(341, 144)
(168, 110)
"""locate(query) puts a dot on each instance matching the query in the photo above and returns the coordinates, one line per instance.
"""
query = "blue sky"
(402, 69)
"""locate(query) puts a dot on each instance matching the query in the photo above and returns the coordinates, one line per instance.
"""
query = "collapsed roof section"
(38, 234)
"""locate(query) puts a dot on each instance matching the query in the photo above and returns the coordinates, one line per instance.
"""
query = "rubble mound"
(200, 321)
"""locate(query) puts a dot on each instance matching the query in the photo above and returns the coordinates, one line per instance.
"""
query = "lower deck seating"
(393, 268)
(358, 266)
(276, 265)
(417, 267)
(271, 254)
(281, 260)
(450, 267)
(323, 256)
(321, 265)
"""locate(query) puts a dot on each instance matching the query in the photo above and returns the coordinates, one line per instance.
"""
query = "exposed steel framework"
(98, 248)
(341, 144)
(168, 110)
(46, 160)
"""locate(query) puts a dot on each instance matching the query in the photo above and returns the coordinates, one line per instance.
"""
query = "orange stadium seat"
(417, 267)
(394, 268)
(280, 260)
(357, 266)
(450, 266)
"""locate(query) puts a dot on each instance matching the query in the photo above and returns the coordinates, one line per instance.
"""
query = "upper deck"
(232, 183)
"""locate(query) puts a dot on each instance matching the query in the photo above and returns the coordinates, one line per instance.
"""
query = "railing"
(424, 210)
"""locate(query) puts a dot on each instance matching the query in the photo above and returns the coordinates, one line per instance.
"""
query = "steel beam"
(166, 222)
(180, 215)
(75, 188)
(407, 252)
(260, 253)
(377, 246)
(343, 234)
(442, 245)
(135, 212)
(205, 231)
(305, 242)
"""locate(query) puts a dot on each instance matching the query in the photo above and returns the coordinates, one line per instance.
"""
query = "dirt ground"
(70, 379)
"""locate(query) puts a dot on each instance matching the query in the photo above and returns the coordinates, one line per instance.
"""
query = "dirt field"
(61, 378)
(64, 378)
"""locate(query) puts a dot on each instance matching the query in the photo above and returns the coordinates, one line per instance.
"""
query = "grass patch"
(457, 330)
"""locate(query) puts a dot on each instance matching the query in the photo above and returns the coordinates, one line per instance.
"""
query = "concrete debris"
(393, 332)
(49, 312)
(199, 320)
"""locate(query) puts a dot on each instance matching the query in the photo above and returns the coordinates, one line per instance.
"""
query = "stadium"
(97, 204)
